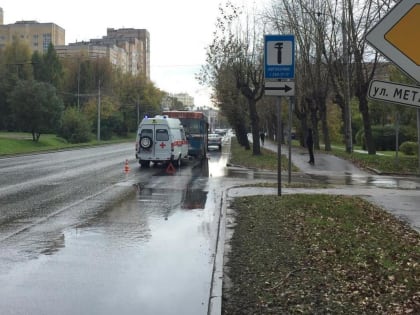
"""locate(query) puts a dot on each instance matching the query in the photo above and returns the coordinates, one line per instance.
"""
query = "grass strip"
(20, 143)
(383, 163)
(320, 254)
(267, 160)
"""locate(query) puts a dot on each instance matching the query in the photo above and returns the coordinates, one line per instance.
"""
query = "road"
(79, 236)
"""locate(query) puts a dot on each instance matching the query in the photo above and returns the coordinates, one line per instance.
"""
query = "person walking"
(310, 145)
(262, 137)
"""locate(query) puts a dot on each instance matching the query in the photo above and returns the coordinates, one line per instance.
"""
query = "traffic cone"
(170, 169)
(126, 167)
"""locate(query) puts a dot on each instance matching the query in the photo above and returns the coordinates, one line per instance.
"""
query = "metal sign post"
(279, 59)
(291, 105)
(278, 138)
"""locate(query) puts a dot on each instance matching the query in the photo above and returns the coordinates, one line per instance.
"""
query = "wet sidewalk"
(399, 195)
(325, 164)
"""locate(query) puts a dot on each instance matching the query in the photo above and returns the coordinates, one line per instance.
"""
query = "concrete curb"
(215, 300)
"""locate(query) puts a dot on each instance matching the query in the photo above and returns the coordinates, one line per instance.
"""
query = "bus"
(196, 127)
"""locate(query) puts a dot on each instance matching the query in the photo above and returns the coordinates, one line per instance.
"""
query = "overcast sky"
(179, 31)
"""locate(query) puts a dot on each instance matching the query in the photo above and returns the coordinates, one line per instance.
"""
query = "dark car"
(214, 139)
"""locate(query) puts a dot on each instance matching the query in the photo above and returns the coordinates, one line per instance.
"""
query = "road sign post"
(279, 65)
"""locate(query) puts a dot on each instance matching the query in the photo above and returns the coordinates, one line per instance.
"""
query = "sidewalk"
(325, 164)
(398, 195)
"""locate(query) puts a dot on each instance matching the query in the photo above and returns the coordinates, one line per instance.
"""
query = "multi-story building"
(185, 99)
(117, 56)
(37, 35)
(138, 48)
(128, 49)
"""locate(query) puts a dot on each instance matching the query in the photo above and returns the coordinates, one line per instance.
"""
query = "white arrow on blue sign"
(279, 56)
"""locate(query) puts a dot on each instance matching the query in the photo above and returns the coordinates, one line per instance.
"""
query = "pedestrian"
(310, 145)
(262, 137)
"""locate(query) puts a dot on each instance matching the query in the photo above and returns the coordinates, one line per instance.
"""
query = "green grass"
(267, 160)
(19, 143)
(320, 254)
(384, 162)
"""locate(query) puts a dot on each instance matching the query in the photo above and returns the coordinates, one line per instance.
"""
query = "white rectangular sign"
(395, 93)
(279, 88)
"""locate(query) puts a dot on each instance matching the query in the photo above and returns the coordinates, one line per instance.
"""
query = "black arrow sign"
(285, 88)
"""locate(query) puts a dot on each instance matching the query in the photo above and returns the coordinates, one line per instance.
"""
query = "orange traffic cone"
(126, 167)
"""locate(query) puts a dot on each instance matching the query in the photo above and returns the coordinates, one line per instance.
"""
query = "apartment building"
(185, 99)
(37, 35)
(127, 49)
(138, 48)
(117, 56)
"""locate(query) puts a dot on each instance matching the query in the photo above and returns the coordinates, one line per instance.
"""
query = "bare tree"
(240, 48)
(331, 33)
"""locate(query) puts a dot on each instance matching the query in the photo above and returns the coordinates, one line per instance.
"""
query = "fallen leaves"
(320, 254)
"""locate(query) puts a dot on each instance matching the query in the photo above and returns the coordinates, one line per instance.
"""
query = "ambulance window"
(162, 135)
(146, 132)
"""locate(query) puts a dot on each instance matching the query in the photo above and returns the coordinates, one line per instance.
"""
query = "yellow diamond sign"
(397, 36)
(405, 34)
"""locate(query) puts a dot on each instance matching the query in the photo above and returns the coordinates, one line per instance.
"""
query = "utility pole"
(78, 88)
(99, 112)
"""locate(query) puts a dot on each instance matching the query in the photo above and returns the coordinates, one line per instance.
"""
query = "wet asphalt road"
(79, 236)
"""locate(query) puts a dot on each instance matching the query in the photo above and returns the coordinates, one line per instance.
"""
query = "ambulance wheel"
(146, 142)
(144, 163)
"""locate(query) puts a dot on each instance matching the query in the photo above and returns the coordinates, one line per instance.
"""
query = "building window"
(46, 40)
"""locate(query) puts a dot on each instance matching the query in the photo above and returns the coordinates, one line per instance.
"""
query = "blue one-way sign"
(279, 53)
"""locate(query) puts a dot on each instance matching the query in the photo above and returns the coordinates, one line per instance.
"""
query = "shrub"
(383, 137)
(409, 148)
(74, 126)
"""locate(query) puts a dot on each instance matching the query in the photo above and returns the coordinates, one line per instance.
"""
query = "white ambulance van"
(161, 140)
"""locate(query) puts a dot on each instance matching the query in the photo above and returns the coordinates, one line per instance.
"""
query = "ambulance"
(161, 140)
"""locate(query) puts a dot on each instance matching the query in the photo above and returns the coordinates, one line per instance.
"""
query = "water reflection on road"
(151, 253)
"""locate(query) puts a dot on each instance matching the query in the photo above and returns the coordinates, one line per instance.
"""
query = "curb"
(215, 299)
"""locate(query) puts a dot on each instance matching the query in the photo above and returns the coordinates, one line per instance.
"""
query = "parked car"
(214, 139)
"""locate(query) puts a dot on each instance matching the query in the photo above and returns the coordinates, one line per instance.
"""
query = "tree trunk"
(256, 150)
(242, 136)
(364, 110)
(324, 125)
